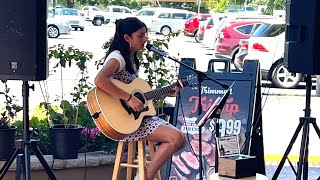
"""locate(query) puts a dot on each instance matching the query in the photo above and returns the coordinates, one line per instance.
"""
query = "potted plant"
(65, 129)
(7, 131)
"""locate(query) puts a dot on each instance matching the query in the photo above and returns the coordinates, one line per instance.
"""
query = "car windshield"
(68, 12)
(50, 13)
(269, 30)
(145, 13)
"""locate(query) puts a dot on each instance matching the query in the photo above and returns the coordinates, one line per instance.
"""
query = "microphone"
(155, 50)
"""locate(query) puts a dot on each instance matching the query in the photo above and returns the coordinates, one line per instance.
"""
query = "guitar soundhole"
(139, 96)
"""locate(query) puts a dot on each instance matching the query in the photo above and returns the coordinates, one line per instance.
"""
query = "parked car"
(112, 13)
(146, 14)
(243, 51)
(191, 26)
(267, 45)
(57, 26)
(72, 16)
(208, 24)
(164, 20)
(211, 36)
(227, 43)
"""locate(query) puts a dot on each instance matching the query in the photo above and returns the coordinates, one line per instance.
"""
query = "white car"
(57, 26)
(72, 16)
(112, 13)
(267, 45)
(164, 20)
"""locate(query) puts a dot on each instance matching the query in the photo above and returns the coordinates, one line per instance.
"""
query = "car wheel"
(53, 32)
(98, 22)
(165, 30)
(81, 29)
(197, 36)
(282, 78)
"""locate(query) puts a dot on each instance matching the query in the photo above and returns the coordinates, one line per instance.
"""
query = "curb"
(274, 159)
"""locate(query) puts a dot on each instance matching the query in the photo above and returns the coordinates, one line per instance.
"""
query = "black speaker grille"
(302, 36)
(23, 40)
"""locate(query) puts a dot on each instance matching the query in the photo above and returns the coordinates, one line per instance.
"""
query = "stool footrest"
(129, 165)
(134, 160)
(137, 161)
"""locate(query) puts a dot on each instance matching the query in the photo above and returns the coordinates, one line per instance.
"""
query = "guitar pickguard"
(129, 110)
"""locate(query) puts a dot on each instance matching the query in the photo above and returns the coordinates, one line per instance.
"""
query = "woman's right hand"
(135, 104)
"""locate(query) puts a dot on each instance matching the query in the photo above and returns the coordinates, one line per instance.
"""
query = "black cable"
(184, 120)
(255, 126)
(248, 136)
(85, 153)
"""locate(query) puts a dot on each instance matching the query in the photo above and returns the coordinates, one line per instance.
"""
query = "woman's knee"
(183, 140)
(179, 141)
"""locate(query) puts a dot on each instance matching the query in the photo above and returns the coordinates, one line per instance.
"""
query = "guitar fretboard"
(154, 94)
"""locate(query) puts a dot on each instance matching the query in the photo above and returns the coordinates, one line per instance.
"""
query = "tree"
(219, 5)
(275, 4)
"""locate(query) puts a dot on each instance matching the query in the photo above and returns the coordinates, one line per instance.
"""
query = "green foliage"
(219, 6)
(262, 2)
(94, 141)
(275, 4)
(69, 57)
(43, 128)
(9, 112)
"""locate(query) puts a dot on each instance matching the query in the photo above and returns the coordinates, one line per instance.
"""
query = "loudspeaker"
(302, 47)
(23, 40)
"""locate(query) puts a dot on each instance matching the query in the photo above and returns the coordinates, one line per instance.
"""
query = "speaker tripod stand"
(304, 148)
(23, 147)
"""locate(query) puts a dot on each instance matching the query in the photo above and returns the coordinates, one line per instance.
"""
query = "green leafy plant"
(9, 112)
(70, 57)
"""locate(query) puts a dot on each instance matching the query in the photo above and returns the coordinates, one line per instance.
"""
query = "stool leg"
(116, 168)
(152, 151)
(142, 160)
(130, 158)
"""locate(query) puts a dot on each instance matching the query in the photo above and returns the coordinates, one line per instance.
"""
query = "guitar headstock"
(191, 81)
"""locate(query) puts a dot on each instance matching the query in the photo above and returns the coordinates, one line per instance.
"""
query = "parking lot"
(282, 107)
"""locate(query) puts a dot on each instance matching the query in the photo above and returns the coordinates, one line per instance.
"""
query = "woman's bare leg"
(171, 141)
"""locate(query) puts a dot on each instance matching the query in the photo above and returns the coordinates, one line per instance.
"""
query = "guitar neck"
(157, 93)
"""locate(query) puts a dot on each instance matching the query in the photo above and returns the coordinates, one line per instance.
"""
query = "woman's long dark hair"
(126, 26)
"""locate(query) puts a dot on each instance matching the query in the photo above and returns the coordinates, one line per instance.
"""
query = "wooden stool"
(139, 164)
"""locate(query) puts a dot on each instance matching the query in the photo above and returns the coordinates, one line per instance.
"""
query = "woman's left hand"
(174, 92)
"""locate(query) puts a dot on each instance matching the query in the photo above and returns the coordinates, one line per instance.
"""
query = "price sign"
(236, 119)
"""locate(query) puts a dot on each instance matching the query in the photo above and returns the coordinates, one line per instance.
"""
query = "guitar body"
(111, 117)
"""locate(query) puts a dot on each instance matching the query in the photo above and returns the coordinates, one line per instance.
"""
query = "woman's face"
(138, 39)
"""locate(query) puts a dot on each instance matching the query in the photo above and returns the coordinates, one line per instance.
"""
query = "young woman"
(122, 64)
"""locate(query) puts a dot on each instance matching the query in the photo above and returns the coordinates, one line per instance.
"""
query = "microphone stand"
(201, 77)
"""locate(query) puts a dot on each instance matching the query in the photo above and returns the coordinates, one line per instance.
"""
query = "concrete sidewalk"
(287, 173)
(280, 119)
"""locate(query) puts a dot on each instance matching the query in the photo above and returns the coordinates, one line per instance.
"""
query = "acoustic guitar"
(114, 117)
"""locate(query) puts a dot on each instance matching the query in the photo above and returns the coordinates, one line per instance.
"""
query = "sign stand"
(240, 114)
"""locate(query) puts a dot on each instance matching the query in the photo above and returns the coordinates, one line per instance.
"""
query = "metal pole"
(199, 5)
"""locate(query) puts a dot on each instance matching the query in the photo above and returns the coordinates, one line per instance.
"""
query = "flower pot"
(65, 142)
(7, 138)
